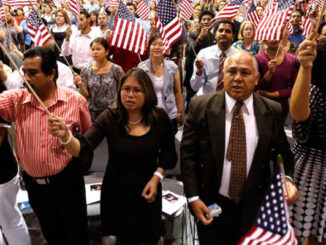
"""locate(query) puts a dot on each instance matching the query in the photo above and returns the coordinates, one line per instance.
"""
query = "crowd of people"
(231, 95)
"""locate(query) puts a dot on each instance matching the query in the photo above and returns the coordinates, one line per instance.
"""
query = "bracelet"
(69, 140)
(179, 114)
(158, 174)
(288, 178)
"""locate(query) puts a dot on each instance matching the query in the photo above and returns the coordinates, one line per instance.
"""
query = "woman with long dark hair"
(141, 146)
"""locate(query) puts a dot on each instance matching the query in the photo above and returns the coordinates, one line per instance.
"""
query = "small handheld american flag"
(272, 223)
(2, 14)
(229, 11)
(186, 9)
(143, 10)
(127, 33)
(168, 23)
(37, 30)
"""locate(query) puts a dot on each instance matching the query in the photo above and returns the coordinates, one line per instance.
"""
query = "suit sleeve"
(189, 153)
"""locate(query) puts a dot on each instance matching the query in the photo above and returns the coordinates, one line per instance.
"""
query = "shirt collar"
(79, 33)
(58, 96)
(248, 104)
(227, 52)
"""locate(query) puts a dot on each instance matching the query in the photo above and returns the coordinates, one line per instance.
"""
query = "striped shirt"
(40, 153)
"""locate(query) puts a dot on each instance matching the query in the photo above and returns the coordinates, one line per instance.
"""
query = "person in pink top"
(53, 178)
(277, 74)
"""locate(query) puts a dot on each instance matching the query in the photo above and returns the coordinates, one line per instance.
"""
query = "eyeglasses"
(135, 91)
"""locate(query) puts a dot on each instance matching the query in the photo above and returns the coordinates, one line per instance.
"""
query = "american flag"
(229, 11)
(289, 26)
(74, 7)
(306, 27)
(272, 223)
(319, 3)
(18, 3)
(143, 10)
(127, 33)
(271, 7)
(283, 4)
(272, 25)
(186, 9)
(111, 3)
(2, 14)
(37, 30)
(168, 23)
(252, 14)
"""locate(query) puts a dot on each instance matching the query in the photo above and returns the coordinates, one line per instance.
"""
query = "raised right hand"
(200, 66)
(203, 32)
(77, 79)
(68, 33)
(201, 211)
(307, 51)
(58, 127)
(272, 66)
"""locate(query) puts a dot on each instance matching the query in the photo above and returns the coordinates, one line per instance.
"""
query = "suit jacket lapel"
(264, 126)
(216, 129)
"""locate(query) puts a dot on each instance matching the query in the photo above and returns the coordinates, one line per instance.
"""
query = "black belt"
(43, 181)
(50, 179)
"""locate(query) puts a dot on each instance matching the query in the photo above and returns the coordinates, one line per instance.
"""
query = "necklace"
(135, 122)
(155, 68)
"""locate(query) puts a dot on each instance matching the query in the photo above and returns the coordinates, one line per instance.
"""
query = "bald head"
(236, 55)
(240, 75)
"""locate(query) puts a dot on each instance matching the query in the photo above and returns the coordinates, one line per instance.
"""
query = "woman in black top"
(58, 30)
(141, 147)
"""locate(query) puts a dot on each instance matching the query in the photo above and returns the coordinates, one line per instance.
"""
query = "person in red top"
(53, 179)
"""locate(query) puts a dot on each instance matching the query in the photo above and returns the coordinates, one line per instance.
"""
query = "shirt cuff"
(192, 199)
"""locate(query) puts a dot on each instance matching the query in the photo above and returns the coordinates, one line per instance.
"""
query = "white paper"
(93, 192)
(22, 196)
(172, 202)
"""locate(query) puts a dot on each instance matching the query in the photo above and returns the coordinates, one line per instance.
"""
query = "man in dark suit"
(228, 142)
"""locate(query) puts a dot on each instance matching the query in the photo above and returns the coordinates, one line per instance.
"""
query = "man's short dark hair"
(84, 12)
(206, 12)
(49, 61)
(299, 11)
(131, 4)
(224, 21)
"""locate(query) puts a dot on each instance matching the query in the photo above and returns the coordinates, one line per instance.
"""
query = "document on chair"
(172, 202)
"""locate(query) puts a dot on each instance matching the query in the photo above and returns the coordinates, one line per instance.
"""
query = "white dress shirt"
(207, 82)
(79, 47)
(251, 139)
(65, 78)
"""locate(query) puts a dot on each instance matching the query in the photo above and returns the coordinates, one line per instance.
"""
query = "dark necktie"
(237, 154)
(220, 84)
